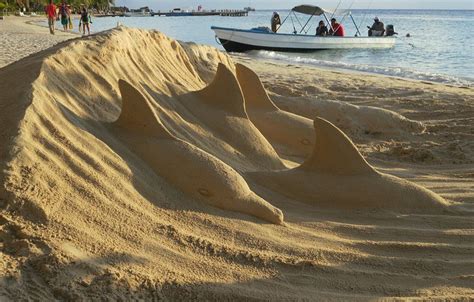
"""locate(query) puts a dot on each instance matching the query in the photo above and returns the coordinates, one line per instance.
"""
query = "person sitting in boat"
(336, 28)
(321, 30)
(275, 21)
(377, 29)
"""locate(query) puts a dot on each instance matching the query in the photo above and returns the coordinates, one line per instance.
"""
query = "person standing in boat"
(377, 29)
(275, 21)
(321, 30)
(337, 29)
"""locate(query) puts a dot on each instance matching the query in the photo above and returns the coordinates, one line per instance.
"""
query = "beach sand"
(135, 167)
(21, 36)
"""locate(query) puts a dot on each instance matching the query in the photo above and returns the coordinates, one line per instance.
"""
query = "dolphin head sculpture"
(188, 168)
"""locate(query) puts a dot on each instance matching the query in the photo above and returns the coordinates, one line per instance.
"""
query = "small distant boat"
(249, 9)
(176, 12)
(141, 12)
(262, 38)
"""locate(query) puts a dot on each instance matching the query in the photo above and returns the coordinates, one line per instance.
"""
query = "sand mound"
(140, 191)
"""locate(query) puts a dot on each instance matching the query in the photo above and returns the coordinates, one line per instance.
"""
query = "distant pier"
(146, 12)
(223, 13)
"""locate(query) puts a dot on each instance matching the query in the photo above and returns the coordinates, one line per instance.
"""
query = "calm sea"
(440, 48)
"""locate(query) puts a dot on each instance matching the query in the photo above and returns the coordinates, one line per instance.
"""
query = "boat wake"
(385, 70)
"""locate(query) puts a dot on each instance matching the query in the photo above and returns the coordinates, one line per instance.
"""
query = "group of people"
(377, 29)
(336, 29)
(63, 13)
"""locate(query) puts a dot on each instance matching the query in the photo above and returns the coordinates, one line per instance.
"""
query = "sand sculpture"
(207, 178)
(281, 127)
(336, 175)
(351, 118)
(83, 215)
(220, 107)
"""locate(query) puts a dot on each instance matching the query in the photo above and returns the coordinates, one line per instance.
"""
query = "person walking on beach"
(51, 14)
(85, 21)
(65, 15)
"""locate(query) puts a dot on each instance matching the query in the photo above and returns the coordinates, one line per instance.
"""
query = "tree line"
(38, 5)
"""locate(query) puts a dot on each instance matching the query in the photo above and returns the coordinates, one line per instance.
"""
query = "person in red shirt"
(51, 14)
(336, 28)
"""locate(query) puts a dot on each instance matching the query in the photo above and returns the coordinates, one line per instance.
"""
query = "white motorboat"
(241, 40)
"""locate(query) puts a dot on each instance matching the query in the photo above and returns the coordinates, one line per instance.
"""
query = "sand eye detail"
(204, 192)
(305, 142)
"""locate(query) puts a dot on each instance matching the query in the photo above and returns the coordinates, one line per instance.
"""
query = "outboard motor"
(390, 30)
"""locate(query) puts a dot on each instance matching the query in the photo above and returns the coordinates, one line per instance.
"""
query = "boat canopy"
(317, 11)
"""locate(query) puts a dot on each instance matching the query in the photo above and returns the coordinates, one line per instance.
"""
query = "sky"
(267, 4)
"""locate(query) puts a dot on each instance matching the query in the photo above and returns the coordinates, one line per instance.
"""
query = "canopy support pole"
(328, 22)
(297, 18)
(358, 34)
(278, 28)
(306, 23)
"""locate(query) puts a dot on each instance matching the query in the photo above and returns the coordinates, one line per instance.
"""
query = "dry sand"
(95, 205)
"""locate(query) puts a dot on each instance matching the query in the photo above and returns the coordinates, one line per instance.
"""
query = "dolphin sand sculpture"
(294, 132)
(186, 167)
(336, 175)
(220, 107)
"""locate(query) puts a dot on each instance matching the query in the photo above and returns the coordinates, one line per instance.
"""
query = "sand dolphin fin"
(224, 93)
(255, 95)
(334, 152)
(138, 114)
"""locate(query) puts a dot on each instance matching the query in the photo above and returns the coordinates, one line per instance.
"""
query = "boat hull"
(231, 46)
(237, 40)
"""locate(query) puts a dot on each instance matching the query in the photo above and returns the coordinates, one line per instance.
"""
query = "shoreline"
(469, 85)
(282, 63)
(347, 71)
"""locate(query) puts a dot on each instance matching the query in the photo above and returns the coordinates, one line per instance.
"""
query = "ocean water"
(440, 48)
